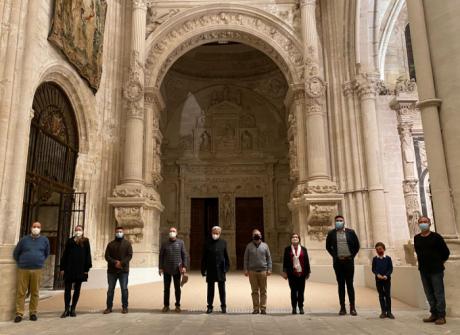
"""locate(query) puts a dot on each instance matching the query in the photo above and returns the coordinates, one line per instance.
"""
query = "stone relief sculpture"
(154, 20)
(227, 210)
(77, 29)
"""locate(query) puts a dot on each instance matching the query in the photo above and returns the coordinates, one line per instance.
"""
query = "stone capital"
(303, 3)
(366, 85)
(295, 94)
(140, 4)
(348, 88)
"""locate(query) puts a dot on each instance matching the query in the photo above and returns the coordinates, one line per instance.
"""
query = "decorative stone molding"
(348, 88)
(130, 202)
(237, 23)
(306, 189)
(140, 4)
(134, 88)
(382, 89)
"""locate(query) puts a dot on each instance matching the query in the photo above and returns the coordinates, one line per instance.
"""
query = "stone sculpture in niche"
(246, 141)
(205, 141)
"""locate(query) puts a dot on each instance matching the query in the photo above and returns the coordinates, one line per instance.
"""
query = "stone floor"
(146, 301)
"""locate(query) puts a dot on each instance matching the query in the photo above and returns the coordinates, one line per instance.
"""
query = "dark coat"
(118, 250)
(288, 267)
(76, 260)
(352, 240)
(215, 262)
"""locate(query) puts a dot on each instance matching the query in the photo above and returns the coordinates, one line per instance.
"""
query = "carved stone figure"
(154, 20)
(205, 141)
(246, 141)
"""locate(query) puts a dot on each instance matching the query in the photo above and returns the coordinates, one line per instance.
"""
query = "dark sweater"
(118, 250)
(31, 253)
(432, 252)
(382, 266)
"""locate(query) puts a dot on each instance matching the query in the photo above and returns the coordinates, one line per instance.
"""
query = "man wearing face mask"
(30, 255)
(432, 253)
(343, 245)
(118, 254)
(214, 265)
(257, 266)
(173, 263)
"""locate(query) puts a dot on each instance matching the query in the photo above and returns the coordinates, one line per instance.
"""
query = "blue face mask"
(424, 226)
(339, 224)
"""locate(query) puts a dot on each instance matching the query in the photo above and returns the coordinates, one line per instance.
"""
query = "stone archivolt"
(241, 24)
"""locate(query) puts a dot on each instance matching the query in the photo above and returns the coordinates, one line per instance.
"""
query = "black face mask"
(256, 237)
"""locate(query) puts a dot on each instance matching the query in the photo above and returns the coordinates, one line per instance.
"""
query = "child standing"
(382, 267)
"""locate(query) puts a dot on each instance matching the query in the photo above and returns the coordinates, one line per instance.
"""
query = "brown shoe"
(124, 310)
(165, 309)
(440, 321)
(107, 311)
(432, 318)
(177, 309)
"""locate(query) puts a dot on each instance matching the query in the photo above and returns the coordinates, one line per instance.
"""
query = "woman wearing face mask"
(296, 269)
(75, 265)
(214, 265)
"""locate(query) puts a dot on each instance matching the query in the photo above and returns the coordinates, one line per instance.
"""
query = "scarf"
(296, 262)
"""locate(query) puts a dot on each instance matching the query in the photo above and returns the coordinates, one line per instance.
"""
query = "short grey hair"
(217, 228)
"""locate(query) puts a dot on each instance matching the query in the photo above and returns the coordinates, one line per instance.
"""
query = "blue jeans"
(433, 284)
(112, 278)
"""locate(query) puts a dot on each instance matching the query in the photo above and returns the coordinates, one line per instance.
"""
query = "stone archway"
(235, 23)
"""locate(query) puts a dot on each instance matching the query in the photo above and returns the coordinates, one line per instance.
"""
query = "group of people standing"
(342, 244)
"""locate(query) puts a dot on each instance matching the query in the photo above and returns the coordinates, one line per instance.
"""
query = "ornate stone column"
(404, 105)
(366, 88)
(135, 203)
(315, 199)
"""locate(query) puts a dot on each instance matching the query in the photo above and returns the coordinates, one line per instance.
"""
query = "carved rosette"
(348, 88)
(315, 87)
(134, 88)
(130, 202)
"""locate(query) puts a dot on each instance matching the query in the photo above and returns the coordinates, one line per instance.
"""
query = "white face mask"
(35, 231)
(119, 234)
(172, 234)
(78, 233)
(215, 236)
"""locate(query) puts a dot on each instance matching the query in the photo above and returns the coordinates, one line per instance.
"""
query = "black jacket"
(215, 263)
(76, 260)
(118, 250)
(288, 267)
(432, 252)
(352, 240)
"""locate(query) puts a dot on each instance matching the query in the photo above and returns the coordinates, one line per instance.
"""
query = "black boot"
(66, 312)
(353, 310)
(343, 310)
(72, 312)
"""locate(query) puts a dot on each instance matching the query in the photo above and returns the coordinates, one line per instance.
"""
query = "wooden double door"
(205, 215)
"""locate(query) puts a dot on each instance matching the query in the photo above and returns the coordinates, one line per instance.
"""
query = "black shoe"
(72, 312)
(33, 317)
(383, 315)
(353, 310)
(256, 311)
(301, 311)
(390, 315)
(124, 310)
(65, 314)
(223, 310)
(294, 311)
(343, 310)
(18, 319)
(263, 311)
(107, 311)
(209, 310)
